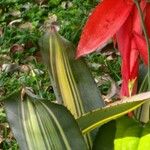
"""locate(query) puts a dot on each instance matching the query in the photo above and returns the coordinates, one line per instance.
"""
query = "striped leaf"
(42, 125)
(71, 79)
(98, 117)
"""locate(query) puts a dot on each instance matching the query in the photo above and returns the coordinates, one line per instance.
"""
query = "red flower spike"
(142, 47)
(147, 19)
(124, 43)
(136, 18)
(105, 20)
(129, 70)
(129, 53)
(119, 19)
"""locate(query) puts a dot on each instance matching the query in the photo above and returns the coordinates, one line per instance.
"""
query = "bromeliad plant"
(128, 23)
(121, 20)
(73, 122)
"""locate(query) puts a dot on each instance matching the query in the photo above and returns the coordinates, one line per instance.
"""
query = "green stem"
(143, 86)
(146, 38)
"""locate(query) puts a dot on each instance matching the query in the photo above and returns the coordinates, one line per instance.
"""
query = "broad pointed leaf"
(127, 134)
(105, 137)
(131, 135)
(102, 24)
(42, 125)
(72, 81)
(98, 117)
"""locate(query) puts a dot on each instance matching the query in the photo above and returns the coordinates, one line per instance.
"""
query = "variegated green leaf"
(42, 125)
(72, 81)
(98, 117)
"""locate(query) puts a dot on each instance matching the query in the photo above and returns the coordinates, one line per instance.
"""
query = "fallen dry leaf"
(24, 69)
(16, 48)
(14, 22)
(26, 25)
(10, 68)
(15, 13)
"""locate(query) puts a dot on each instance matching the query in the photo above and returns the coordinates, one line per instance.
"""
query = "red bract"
(119, 18)
(103, 23)
(147, 18)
